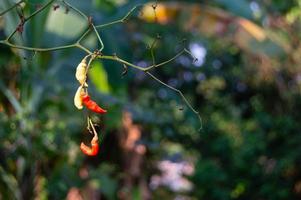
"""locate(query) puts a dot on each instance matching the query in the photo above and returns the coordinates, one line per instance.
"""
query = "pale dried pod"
(78, 98)
(80, 73)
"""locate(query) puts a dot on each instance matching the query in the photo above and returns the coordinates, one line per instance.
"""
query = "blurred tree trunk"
(133, 155)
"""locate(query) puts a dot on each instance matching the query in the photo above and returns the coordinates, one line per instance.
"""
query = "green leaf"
(237, 7)
(99, 77)
(65, 25)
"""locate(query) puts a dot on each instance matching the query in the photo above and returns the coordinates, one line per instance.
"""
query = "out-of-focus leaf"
(11, 18)
(252, 38)
(108, 186)
(12, 191)
(252, 29)
(99, 77)
(65, 25)
(103, 181)
(212, 21)
(238, 7)
(35, 26)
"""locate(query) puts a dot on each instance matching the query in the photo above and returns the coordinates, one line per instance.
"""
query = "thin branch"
(83, 35)
(144, 69)
(122, 20)
(116, 58)
(87, 18)
(109, 24)
(180, 93)
(152, 51)
(98, 37)
(93, 128)
(34, 48)
(76, 44)
(76, 10)
(10, 8)
(83, 48)
(189, 53)
(168, 61)
(129, 13)
(29, 17)
(154, 6)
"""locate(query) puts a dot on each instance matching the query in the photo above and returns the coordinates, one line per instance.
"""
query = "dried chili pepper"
(78, 102)
(92, 105)
(80, 74)
(93, 150)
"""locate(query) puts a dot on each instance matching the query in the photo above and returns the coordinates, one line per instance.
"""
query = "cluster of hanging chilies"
(82, 99)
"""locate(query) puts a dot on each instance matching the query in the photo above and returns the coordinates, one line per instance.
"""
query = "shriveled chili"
(93, 150)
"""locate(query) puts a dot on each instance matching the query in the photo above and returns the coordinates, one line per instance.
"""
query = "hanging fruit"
(92, 105)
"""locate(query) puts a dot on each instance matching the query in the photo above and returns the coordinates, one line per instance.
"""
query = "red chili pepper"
(92, 105)
(90, 151)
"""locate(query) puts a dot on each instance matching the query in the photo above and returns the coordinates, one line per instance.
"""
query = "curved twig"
(30, 16)
(180, 93)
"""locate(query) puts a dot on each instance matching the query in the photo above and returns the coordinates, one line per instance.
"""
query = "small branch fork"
(10, 8)
(98, 53)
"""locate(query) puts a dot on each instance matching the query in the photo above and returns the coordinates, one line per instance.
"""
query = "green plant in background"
(29, 15)
(245, 83)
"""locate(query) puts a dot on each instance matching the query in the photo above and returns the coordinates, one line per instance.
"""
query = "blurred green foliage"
(246, 85)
